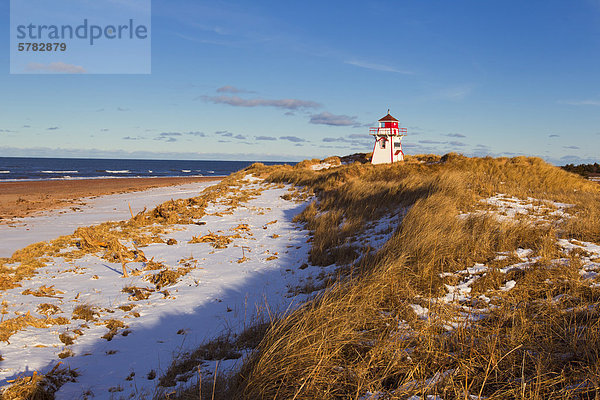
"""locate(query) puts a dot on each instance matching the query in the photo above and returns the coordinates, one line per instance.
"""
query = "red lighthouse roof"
(388, 117)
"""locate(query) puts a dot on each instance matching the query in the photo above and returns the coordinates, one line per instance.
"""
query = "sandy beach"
(22, 199)
(20, 232)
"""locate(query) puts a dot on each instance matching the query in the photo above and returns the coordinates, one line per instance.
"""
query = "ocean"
(22, 168)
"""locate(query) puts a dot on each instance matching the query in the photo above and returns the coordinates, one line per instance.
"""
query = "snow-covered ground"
(49, 225)
(221, 290)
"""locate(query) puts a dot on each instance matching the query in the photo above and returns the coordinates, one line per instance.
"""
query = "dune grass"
(363, 336)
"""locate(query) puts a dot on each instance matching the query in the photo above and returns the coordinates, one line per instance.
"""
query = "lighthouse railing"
(387, 131)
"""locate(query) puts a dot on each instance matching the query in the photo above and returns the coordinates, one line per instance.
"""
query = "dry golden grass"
(37, 386)
(137, 293)
(362, 334)
(113, 326)
(66, 338)
(85, 312)
(167, 277)
(217, 241)
(187, 365)
(48, 309)
(9, 327)
(43, 291)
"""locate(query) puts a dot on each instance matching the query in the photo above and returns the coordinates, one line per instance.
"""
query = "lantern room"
(388, 122)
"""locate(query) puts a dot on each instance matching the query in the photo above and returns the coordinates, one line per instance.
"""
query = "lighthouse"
(388, 141)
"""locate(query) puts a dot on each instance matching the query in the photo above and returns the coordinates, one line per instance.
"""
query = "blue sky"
(288, 80)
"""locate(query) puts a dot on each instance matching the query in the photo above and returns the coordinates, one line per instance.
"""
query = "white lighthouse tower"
(388, 141)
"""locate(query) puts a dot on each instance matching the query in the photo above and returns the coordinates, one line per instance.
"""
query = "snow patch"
(322, 166)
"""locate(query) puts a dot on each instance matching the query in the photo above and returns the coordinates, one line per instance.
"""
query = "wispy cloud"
(56, 67)
(553, 135)
(294, 139)
(326, 118)
(359, 136)
(456, 135)
(122, 109)
(377, 67)
(571, 147)
(232, 89)
(452, 93)
(192, 133)
(337, 139)
(457, 144)
(231, 135)
(289, 104)
(587, 102)
(133, 138)
(173, 136)
(427, 141)
(52, 128)
(168, 137)
(265, 138)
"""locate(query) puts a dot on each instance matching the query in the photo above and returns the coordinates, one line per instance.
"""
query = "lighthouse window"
(396, 144)
(382, 144)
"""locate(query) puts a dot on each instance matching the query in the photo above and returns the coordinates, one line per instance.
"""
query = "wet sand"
(22, 199)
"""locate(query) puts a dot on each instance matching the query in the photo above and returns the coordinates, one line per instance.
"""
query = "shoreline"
(83, 178)
(19, 199)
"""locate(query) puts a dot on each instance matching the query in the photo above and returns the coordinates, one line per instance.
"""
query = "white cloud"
(289, 104)
(427, 141)
(294, 139)
(326, 118)
(377, 67)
